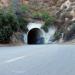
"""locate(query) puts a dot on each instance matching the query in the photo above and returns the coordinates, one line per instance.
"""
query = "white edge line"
(15, 59)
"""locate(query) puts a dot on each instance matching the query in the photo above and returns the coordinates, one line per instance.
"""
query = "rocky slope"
(63, 10)
(48, 4)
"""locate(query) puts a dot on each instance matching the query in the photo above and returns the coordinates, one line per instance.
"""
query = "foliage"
(10, 23)
(5, 28)
(23, 11)
(57, 35)
(22, 24)
(49, 21)
(37, 15)
(24, 8)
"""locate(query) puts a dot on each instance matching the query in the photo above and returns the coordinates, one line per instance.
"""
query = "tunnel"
(35, 36)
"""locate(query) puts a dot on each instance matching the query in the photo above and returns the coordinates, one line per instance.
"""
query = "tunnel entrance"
(35, 36)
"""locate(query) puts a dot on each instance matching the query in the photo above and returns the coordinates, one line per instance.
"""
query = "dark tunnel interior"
(35, 36)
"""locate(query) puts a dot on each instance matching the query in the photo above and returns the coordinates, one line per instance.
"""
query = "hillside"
(58, 13)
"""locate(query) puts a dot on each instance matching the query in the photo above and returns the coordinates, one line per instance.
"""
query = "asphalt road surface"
(38, 60)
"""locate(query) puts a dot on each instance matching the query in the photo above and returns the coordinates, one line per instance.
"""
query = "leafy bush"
(36, 15)
(24, 8)
(5, 28)
(22, 23)
(57, 35)
(49, 20)
(10, 23)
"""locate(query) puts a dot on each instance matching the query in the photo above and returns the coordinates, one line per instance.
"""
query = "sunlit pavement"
(38, 60)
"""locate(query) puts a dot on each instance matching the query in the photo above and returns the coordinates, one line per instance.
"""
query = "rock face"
(63, 10)
(4, 3)
(17, 38)
(49, 5)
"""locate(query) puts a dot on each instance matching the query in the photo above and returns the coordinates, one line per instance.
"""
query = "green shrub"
(57, 35)
(24, 8)
(5, 28)
(37, 15)
(10, 23)
(22, 24)
(44, 16)
(49, 21)
(45, 28)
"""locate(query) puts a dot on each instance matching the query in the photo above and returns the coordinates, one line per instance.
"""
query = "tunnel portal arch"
(35, 36)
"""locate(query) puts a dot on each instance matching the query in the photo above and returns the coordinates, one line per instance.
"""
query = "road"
(38, 60)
